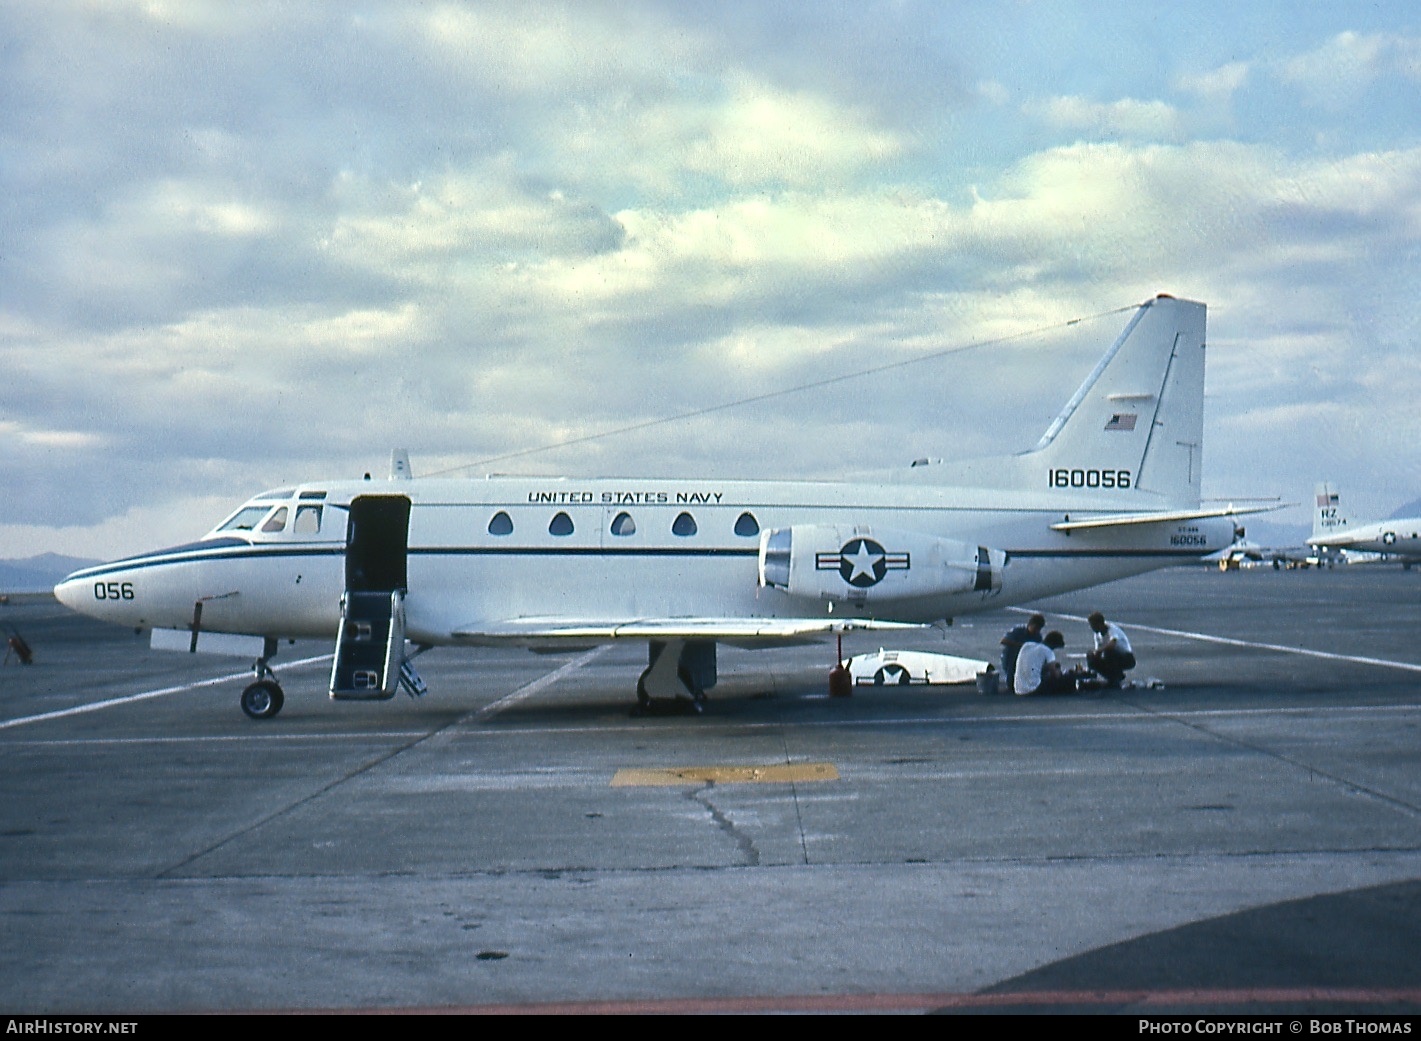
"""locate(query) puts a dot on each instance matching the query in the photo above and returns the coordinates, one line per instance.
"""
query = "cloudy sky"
(251, 243)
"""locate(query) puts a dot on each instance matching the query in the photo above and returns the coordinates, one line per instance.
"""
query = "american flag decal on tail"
(1121, 421)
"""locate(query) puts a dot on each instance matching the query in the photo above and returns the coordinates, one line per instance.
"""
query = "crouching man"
(1112, 656)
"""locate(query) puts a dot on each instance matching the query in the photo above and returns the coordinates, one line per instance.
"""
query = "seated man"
(1038, 671)
(1112, 656)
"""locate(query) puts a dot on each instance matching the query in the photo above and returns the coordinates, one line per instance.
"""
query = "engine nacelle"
(855, 563)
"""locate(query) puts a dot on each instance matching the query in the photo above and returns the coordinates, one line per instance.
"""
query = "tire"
(262, 699)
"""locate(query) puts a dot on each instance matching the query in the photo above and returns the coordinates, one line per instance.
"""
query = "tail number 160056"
(1064, 478)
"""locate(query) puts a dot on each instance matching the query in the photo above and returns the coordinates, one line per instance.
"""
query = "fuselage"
(1400, 537)
(501, 549)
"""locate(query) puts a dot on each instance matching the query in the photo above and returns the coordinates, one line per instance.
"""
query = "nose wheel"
(263, 699)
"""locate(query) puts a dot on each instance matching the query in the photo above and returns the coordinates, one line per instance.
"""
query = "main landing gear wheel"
(892, 674)
(263, 699)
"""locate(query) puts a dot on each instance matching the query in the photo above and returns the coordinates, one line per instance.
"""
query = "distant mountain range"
(38, 574)
(1411, 509)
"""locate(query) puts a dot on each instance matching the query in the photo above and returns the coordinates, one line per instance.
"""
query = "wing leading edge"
(742, 632)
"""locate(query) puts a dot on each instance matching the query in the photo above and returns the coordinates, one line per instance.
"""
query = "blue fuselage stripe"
(259, 552)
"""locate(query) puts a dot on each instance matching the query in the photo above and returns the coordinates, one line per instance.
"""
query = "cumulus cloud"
(60, 439)
(993, 92)
(482, 214)
(1334, 74)
(567, 49)
(761, 136)
(1125, 118)
(1215, 85)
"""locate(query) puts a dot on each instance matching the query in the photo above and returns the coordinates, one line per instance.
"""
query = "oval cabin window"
(561, 524)
(623, 525)
(683, 525)
(746, 525)
(501, 524)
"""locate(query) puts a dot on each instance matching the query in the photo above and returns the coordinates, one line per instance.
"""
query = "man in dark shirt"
(1015, 639)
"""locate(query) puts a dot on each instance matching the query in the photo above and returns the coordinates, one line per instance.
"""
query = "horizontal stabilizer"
(1125, 520)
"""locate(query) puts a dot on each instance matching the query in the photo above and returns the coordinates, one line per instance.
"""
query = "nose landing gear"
(262, 699)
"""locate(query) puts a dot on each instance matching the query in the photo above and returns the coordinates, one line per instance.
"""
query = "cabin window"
(500, 524)
(245, 519)
(561, 524)
(308, 520)
(746, 525)
(276, 522)
(683, 525)
(623, 524)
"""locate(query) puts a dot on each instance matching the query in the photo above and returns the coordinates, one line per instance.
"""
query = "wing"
(738, 632)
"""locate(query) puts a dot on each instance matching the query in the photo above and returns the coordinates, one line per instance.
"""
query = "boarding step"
(369, 647)
(410, 681)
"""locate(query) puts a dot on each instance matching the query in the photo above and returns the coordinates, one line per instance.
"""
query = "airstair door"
(370, 646)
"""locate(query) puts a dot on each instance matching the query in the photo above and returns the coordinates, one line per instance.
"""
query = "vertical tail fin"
(1327, 515)
(1134, 426)
(1140, 412)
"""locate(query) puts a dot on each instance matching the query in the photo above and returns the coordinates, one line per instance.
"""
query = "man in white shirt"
(1038, 671)
(1112, 656)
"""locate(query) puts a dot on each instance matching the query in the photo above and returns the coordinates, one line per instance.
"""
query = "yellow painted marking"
(780, 773)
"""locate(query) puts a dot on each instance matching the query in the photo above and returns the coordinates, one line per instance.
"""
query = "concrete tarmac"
(1246, 838)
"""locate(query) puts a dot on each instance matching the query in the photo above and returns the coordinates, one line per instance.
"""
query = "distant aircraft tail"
(1327, 515)
(1134, 428)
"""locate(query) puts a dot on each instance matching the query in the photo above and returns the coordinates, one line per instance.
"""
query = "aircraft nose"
(67, 592)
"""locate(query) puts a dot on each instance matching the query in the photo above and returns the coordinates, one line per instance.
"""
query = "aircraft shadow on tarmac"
(1265, 959)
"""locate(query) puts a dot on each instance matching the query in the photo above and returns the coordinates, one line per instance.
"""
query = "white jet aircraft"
(1111, 489)
(1332, 530)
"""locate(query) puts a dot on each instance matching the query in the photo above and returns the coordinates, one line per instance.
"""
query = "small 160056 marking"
(1066, 478)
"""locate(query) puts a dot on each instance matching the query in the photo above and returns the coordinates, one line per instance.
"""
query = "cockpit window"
(245, 519)
(276, 522)
(308, 520)
(279, 495)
